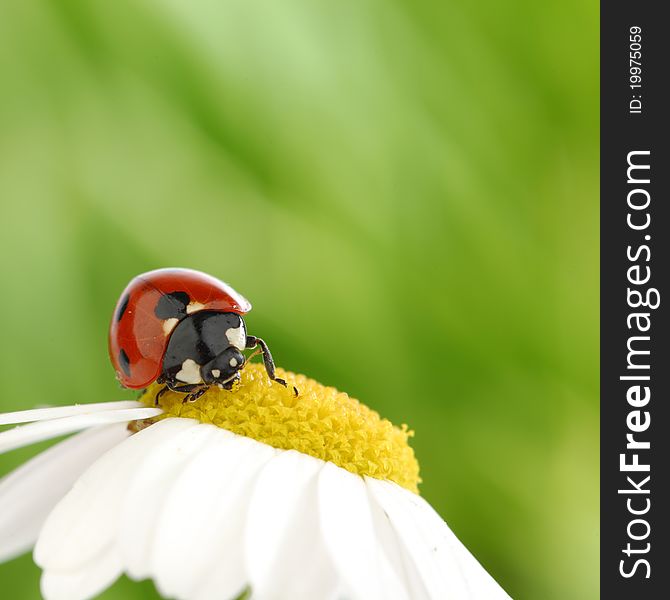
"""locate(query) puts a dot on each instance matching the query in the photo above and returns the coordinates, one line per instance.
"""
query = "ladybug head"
(223, 370)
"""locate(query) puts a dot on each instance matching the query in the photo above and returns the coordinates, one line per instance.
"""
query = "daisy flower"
(253, 492)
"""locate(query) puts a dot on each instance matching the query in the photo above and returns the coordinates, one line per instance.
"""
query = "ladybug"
(182, 328)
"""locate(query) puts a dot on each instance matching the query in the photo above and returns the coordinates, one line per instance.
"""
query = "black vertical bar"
(635, 243)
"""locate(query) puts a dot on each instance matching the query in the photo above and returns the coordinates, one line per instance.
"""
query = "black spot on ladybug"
(124, 362)
(122, 307)
(172, 305)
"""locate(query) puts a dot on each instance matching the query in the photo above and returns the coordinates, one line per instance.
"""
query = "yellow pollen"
(321, 422)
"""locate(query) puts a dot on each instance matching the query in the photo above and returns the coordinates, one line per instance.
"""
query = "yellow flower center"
(320, 421)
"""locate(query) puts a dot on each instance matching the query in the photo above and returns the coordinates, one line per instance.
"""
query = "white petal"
(445, 566)
(272, 512)
(439, 578)
(177, 559)
(399, 578)
(57, 412)
(305, 571)
(480, 584)
(393, 588)
(28, 494)
(85, 522)
(83, 583)
(222, 550)
(45, 430)
(151, 483)
(346, 523)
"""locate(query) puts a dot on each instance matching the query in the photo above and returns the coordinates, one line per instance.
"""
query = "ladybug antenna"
(256, 352)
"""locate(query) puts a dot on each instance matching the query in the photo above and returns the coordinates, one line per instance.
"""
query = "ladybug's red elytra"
(182, 328)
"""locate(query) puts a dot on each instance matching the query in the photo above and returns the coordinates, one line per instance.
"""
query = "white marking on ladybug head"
(190, 372)
(216, 372)
(233, 362)
(169, 325)
(237, 336)
(194, 307)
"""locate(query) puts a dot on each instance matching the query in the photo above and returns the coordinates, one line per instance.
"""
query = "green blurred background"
(423, 170)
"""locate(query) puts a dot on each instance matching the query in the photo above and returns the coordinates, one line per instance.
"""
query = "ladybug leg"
(193, 396)
(252, 342)
(160, 393)
(192, 391)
